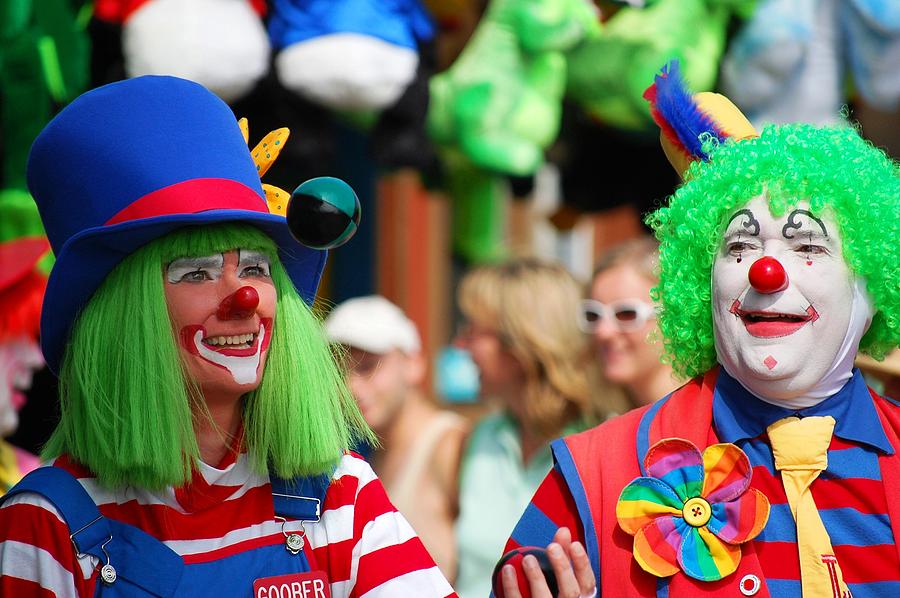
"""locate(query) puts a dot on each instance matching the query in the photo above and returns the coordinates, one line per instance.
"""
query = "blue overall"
(144, 566)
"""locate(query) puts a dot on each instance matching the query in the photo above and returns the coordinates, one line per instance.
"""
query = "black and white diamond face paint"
(224, 349)
(783, 345)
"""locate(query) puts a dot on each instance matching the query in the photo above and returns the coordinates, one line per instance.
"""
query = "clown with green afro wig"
(775, 469)
(835, 172)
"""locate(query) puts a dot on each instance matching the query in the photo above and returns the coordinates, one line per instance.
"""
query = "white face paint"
(242, 368)
(19, 358)
(782, 345)
(224, 345)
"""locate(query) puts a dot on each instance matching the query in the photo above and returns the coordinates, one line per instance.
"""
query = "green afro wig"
(837, 171)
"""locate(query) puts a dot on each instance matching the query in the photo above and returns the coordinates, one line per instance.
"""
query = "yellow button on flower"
(696, 512)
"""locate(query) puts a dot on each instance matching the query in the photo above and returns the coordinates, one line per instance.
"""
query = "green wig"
(837, 171)
(128, 409)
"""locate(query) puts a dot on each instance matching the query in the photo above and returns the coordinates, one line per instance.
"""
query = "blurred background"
(473, 131)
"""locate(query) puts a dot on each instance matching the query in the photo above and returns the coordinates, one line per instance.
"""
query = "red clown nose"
(239, 305)
(767, 275)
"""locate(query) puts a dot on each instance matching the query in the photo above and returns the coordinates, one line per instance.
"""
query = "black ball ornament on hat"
(323, 213)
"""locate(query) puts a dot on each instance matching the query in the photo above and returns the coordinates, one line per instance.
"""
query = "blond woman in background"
(620, 319)
(521, 333)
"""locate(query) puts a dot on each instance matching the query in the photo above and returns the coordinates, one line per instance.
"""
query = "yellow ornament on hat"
(264, 155)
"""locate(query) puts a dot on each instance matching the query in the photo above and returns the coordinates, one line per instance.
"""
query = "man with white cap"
(418, 459)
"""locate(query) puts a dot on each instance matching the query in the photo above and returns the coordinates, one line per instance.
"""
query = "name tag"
(296, 585)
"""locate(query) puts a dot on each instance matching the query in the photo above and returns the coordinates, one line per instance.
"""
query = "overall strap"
(141, 562)
(299, 498)
(89, 529)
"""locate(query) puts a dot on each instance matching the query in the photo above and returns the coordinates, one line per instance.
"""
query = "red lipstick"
(769, 324)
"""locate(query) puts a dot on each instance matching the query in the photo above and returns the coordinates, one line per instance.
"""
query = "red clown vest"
(598, 463)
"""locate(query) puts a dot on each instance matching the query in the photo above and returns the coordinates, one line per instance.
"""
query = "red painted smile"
(771, 324)
(231, 345)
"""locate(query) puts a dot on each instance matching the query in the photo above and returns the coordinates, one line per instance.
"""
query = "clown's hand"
(571, 567)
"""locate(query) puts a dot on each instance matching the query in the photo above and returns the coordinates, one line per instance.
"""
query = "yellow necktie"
(800, 447)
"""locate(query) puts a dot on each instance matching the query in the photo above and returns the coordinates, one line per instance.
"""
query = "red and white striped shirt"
(361, 542)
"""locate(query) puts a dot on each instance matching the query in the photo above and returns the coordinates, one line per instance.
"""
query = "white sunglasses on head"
(626, 314)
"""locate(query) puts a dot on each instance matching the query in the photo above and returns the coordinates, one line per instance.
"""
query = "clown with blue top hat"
(204, 421)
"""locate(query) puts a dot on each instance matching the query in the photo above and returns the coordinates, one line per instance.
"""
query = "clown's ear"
(686, 120)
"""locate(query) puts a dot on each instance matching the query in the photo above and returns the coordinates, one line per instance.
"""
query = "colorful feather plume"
(678, 114)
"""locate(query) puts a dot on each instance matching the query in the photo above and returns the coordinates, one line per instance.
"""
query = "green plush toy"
(44, 54)
(497, 108)
(499, 103)
(43, 64)
(609, 72)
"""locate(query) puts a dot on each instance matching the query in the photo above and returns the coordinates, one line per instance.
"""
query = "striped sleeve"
(36, 556)
(378, 555)
(551, 508)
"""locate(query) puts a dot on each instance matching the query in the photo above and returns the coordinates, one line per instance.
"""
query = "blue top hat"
(129, 162)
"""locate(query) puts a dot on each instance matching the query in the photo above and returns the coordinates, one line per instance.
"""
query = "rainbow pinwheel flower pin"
(692, 511)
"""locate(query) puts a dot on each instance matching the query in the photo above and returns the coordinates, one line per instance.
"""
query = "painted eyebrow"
(805, 234)
(206, 261)
(751, 224)
(178, 268)
(793, 224)
(246, 256)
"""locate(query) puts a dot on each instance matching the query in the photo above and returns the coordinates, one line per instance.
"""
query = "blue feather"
(675, 104)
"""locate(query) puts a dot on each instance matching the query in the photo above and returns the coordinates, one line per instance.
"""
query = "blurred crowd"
(525, 120)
